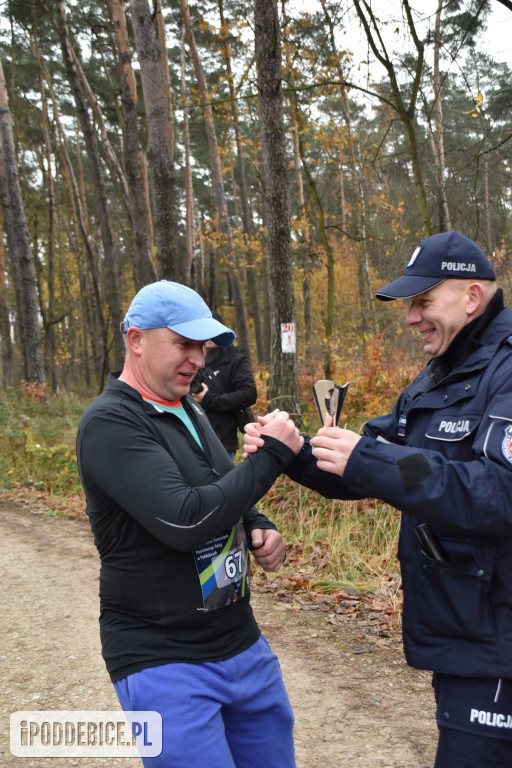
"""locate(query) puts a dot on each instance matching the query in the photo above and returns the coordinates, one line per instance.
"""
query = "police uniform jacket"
(444, 457)
(158, 505)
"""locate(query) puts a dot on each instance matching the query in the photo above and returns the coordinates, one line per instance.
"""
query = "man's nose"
(197, 356)
(413, 315)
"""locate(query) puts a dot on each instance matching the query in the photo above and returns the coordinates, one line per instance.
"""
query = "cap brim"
(204, 329)
(407, 286)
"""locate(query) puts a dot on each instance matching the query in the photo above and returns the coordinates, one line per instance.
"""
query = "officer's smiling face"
(439, 314)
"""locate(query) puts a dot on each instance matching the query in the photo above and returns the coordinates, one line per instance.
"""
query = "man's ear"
(134, 338)
(474, 299)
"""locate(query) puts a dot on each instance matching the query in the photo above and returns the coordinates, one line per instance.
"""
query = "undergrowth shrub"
(37, 439)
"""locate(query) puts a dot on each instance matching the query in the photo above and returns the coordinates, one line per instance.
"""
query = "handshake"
(331, 446)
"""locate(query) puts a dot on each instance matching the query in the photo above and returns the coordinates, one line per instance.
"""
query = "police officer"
(444, 458)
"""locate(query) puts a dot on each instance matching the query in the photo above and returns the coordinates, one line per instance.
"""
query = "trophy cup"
(329, 398)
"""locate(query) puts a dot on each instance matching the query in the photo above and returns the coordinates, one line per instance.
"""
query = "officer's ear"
(475, 299)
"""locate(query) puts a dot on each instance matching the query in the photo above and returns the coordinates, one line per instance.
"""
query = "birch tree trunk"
(20, 251)
(283, 381)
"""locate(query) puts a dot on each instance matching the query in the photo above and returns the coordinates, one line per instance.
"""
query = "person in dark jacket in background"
(172, 518)
(227, 390)
(444, 458)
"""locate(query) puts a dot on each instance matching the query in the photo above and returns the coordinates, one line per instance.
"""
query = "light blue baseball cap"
(175, 306)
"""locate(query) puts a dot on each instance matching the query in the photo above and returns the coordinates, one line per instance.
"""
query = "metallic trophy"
(329, 398)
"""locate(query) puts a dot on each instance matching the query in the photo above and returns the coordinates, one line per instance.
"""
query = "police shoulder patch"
(506, 444)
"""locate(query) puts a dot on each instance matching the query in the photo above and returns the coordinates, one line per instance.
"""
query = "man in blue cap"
(443, 457)
(172, 519)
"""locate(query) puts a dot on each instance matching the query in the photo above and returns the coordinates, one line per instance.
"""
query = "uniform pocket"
(452, 596)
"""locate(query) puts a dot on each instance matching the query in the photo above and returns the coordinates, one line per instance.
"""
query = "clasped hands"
(331, 446)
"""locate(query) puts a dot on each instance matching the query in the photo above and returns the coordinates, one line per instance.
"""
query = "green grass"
(37, 441)
(342, 544)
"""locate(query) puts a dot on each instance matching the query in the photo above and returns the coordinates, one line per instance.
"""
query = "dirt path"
(356, 702)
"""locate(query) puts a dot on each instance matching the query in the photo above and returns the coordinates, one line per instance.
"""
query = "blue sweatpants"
(227, 714)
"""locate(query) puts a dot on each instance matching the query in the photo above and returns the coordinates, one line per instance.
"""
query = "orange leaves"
(35, 391)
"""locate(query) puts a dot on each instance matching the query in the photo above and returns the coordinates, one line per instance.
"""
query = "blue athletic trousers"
(227, 714)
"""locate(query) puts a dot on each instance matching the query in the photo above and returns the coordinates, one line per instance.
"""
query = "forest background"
(281, 158)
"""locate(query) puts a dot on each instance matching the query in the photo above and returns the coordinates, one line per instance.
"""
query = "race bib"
(222, 566)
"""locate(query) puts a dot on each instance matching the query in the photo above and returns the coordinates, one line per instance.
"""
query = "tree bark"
(5, 323)
(95, 327)
(144, 268)
(304, 248)
(439, 155)
(248, 227)
(20, 251)
(189, 184)
(283, 381)
(157, 97)
(329, 255)
(47, 171)
(111, 257)
(223, 224)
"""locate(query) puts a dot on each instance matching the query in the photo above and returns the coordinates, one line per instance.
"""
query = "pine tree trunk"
(157, 98)
(303, 250)
(49, 321)
(20, 251)
(189, 185)
(223, 224)
(366, 301)
(283, 382)
(95, 329)
(329, 256)
(248, 227)
(439, 155)
(144, 269)
(5, 323)
(111, 257)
